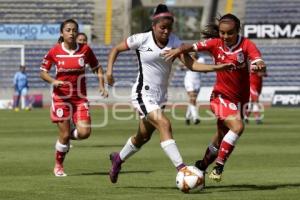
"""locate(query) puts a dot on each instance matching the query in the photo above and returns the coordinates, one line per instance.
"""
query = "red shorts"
(224, 108)
(62, 110)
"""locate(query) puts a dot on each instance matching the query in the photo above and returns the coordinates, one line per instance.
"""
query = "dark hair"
(62, 25)
(212, 30)
(161, 12)
(81, 33)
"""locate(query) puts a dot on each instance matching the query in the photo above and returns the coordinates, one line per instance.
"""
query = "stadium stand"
(30, 12)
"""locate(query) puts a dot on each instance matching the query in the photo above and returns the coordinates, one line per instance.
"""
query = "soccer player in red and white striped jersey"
(69, 88)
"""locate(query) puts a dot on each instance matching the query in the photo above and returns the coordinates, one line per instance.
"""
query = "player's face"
(69, 33)
(162, 30)
(81, 39)
(228, 33)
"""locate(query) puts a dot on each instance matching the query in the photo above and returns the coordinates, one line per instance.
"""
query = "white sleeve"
(135, 41)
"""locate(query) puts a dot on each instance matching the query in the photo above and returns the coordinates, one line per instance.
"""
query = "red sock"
(224, 152)
(59, 158)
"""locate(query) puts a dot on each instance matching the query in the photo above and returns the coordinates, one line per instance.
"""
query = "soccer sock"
(23, 102)
(209, 157)
(256, 111)
(170, 148)
(128, 150)
(74, 134)
(194, 112)
(61, 151)
(188, 112)
(226, 147)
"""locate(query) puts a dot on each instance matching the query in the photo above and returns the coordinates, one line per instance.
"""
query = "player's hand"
(110, 79)
(225, 66)
(259, 66)
(103, 92)
(57, 83)
(171, 54)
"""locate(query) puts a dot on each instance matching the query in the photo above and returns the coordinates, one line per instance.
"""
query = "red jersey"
(70, 68)
(233, 84)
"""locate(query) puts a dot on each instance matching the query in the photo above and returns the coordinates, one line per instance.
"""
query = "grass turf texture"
(264, 165)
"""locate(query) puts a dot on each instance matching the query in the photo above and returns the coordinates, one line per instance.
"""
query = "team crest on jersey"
(81, 62)
(232, 106)
(240, 57)
(59, 112)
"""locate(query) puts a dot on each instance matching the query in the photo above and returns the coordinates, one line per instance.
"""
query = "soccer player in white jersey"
(69, 89)
(150, 90)
(192, 86)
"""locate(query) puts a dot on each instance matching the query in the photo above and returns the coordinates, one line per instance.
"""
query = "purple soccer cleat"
(116, 163)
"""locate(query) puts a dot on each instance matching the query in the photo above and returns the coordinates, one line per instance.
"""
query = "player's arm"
(257, 63)
(193, 65)
(174, 53)
(112, 58)
(46, 77)
(99, 72)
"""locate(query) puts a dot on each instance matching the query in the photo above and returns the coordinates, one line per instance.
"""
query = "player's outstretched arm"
(174, 53)
(193, 65)
(111, 60)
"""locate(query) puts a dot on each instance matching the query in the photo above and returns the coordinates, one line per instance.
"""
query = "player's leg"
(16, 100)
(159, 120)
(211, 151)
(82, 121)
(236, 127)
(193, 106)
(62, 147)
(132, 146)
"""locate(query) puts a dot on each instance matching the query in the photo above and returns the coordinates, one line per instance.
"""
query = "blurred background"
(29, 28)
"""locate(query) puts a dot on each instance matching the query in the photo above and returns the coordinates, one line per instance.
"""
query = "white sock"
(74, 134)
(231, 137)
(255, 107)
(128, 150)
(188, 112)
(170, 148)
(23, 99)
(61, 147)
(194, 112)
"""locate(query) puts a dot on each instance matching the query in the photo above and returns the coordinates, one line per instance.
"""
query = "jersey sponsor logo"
(81, 62)
(59, 112)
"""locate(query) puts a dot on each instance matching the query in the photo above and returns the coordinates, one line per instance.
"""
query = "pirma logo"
(286, 98)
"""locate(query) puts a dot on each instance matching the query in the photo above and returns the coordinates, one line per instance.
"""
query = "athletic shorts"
(77, 110)
(146, 98)
(191, 84)
(223, 107)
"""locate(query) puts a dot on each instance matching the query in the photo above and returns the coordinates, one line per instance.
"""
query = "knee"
(238, 128)
(84, 133)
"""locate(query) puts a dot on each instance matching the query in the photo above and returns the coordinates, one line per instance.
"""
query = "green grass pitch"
(264, 165)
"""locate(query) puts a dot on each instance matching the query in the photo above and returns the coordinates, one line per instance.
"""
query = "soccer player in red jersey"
(81, 38)
(256, 83)
(231, 90)
(69, 88)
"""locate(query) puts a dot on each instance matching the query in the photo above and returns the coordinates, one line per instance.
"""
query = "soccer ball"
(189, 178)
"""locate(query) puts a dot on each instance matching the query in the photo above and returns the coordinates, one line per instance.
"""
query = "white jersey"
(150, 89)
(153, 69)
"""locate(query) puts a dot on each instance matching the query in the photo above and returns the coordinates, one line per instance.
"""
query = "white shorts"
(191, 84)
(146, 98)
